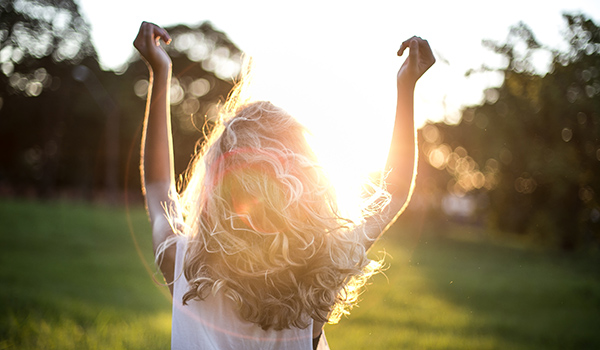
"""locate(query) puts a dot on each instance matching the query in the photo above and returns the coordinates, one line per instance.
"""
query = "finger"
(405, 45)
(166, 37)
(162, 34)
(151, 34)
(148, 34)
(412, 43)
(414, 46)
(414, 52)
(402, 48)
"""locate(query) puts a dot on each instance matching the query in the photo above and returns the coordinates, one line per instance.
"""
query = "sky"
(333, 64)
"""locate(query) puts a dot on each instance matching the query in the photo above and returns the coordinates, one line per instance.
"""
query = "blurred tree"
(529, 155)
(66, 124)
(40, 43)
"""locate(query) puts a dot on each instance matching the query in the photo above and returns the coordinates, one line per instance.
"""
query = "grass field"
(71, 278)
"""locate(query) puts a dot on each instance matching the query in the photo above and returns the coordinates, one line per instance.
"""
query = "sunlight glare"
(350, 115)
(349, 132)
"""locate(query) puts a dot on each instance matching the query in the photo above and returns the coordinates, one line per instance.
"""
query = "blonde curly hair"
(262, 224)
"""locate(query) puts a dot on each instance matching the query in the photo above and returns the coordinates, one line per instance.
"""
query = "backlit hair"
(262, 224)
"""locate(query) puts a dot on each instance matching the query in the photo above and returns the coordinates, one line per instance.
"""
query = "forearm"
(157, 146)
(401, 157)
(157, 170)
(401, 166)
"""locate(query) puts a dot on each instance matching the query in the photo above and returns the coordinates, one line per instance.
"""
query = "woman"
(254, 250)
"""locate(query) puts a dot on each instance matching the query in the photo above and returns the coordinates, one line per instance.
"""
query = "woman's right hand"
(147, 43)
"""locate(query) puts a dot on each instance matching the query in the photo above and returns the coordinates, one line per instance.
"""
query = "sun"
(350, 118)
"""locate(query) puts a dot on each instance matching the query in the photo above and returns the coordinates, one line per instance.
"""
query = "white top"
(214, 324)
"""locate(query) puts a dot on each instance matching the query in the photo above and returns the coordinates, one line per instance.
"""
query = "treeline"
(527, 160)
(69, 128)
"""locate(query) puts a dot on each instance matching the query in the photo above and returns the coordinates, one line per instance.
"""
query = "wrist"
(406, 86)
(160, 72)
(159, 67)
(406, 81)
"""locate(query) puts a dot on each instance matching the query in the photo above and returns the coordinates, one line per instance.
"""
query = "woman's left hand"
(420, 59)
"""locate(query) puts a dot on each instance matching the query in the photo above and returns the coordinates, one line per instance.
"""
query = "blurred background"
(509, 136)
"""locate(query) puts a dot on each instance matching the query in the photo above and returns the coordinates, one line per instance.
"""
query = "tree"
(67, 126)
(530, 152)
(40, 43)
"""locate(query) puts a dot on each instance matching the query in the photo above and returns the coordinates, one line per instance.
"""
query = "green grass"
(453, 294)
(71, 278)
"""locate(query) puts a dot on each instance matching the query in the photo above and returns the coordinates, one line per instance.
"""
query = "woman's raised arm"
(402, 161)
(156, 168)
